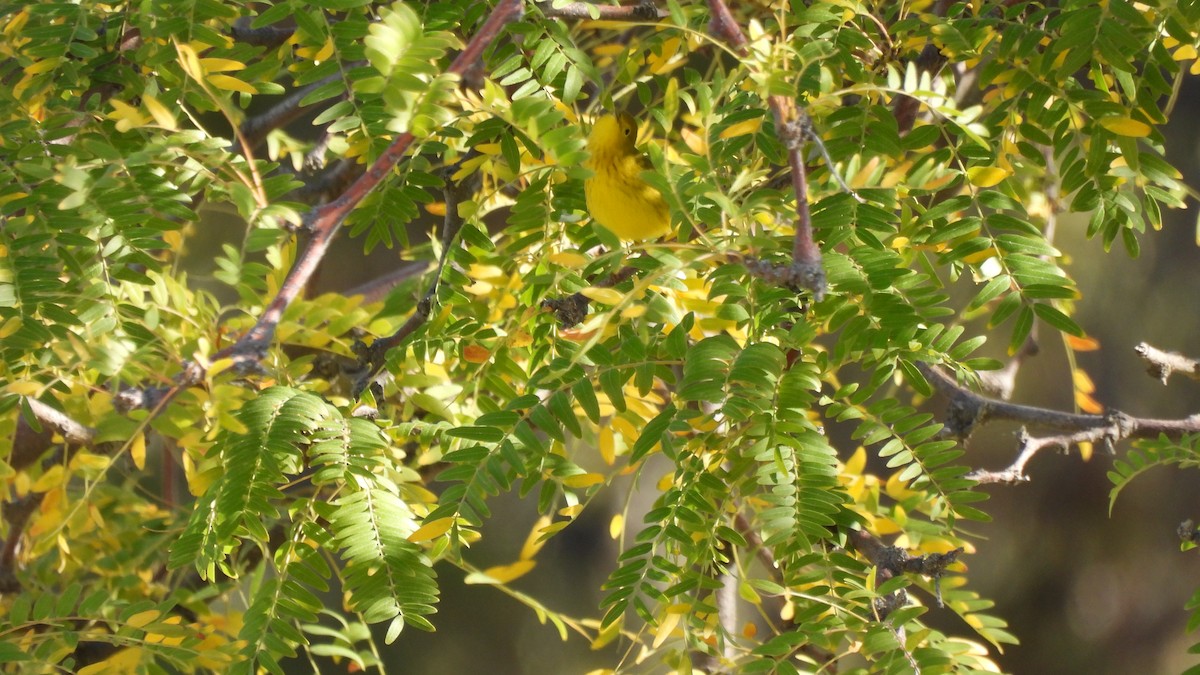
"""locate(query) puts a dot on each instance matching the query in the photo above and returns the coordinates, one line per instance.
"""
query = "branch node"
(796, 275)
(1188, 532)
(1160, 364)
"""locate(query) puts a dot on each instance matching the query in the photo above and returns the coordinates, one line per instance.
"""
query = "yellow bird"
(617, 197)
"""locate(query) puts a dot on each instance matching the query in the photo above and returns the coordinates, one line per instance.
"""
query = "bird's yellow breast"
(617, 196)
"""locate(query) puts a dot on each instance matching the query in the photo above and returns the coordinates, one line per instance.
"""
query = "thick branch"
(72, 432)
(968, 410)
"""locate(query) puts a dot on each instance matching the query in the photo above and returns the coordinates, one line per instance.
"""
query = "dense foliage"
(769, 425)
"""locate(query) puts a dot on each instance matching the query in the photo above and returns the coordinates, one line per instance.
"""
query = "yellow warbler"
(617, 197)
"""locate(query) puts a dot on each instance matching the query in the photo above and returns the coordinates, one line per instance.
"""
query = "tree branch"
(805, 270)
(891, 561)
(968, 410)
(256, 128)
(643, 11)
(326, 220)
(1162, 364)
(373, 356)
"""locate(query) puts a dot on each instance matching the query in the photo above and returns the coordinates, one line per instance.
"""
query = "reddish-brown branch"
(806, 270)
(325, 221)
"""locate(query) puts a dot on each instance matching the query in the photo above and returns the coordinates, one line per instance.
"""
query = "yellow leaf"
(432, 530)
(50, 479)
(189, 62)
(16, 23)
(24, 388)
(1085, 450)
(124, 661)
(857, 462)
(1126, 126)
(159, 112)
(583, 480)
(143, 618)
(436, 208)
(694, 141)
(219, 366)
(570, 511)
(569, 259)
(220, 65)
(43, 66)
(616, 526)
(665, 628)
(741, 128)
(126, 116)
(198, 483)
(137, 451)
(986, 176)
(505, 573)
(606, 296)
(88, 460)
(900, 243)
(607, 445)
(231, 84)
(1082, 381)
(978, 257)
(533, 542)
(603, 638)
(1184, 53)
(11, 326)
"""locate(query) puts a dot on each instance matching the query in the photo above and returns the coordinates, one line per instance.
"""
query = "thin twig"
(256, 128)
(643, 11)
(805, 270)
(373, 356)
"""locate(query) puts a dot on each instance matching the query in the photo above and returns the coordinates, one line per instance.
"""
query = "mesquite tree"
(862, 194)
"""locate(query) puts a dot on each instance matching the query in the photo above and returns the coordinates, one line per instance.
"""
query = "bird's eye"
(627, 130)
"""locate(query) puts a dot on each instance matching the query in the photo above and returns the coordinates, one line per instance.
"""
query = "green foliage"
(763, 426)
